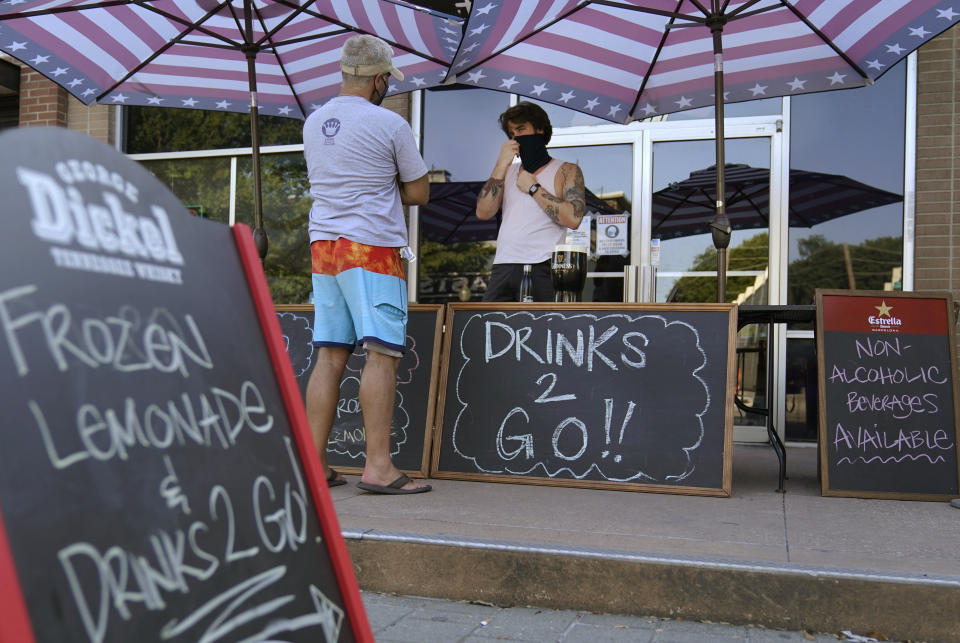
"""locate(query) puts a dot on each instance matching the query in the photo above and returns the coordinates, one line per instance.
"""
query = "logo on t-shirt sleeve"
(330, 128)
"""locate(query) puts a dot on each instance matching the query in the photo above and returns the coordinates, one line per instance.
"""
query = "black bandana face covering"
(533, 151)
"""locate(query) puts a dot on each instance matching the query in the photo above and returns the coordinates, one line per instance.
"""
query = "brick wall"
(42, 102)
(96, 121)
(937, 263)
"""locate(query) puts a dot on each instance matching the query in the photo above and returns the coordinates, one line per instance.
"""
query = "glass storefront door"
(613, 163)
(688, 259)
(682, 183)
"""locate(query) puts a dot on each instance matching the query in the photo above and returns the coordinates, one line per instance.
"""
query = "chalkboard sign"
(625, 396)
(157, 476)
(888, 395)
(417, 377)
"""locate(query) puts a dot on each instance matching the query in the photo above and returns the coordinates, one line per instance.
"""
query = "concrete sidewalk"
(794, 561)
(412, 619)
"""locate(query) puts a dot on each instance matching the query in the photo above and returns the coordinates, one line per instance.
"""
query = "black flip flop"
(395, 488)
(334, 479)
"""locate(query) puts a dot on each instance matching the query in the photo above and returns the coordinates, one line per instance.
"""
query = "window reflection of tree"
(206, 181)
(286, 208)
(868, 265)
(197, 181)
(751, 254)
(172, 129)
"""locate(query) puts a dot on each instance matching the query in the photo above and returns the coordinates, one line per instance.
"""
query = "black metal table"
(770, 315)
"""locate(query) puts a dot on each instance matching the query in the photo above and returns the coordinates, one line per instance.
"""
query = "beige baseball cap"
(366, 55)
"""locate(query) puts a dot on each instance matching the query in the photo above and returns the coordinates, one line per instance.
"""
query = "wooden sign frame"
(723, 490)
(823, 430)
(438, 309)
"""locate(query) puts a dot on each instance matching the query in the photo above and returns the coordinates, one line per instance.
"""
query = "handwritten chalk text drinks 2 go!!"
(173, 561)
(501, 340)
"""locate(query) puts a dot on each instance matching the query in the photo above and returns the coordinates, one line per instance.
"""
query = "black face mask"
(533, 151)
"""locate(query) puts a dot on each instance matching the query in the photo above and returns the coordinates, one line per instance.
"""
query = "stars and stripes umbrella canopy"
(631, 59)
(685, 208)
(278, 57)
(195, 53)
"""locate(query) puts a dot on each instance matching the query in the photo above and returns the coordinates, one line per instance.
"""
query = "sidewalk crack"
(786, 531)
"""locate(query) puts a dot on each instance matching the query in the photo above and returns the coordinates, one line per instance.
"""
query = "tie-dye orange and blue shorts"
(359, 295)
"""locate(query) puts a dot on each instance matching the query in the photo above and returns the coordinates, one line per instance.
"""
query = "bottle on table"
(526, 284)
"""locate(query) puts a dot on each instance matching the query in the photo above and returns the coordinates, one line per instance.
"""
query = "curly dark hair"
(527, 112)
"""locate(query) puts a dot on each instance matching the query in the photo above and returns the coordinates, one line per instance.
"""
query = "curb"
(781, 596)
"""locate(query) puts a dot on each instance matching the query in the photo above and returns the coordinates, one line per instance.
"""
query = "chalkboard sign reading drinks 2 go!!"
(157, 476)
(888, 395)
(627, 396)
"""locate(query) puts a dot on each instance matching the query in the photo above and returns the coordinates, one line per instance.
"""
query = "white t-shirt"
(354, 152)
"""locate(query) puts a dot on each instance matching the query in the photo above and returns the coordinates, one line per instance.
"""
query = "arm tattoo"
(575, 193)
(572, 195)
(552, 207)
(553, 213)
(492, 188)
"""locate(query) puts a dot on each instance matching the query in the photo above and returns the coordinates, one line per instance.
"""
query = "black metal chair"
(770, 315)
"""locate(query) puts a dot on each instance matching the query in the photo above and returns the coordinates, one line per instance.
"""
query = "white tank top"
(527, 234)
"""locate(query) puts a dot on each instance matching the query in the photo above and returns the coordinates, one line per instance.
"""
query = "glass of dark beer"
(568, 268)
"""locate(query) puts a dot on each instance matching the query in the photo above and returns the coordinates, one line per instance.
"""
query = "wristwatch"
(533, 189)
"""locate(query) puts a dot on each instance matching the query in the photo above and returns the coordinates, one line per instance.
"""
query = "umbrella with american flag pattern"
(276, 57)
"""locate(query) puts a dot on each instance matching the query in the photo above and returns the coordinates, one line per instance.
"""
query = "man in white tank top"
(541, 198)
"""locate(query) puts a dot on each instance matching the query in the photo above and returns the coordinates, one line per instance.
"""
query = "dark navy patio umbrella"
(686, 208)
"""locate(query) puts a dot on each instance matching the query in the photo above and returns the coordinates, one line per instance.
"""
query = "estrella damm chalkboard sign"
(888, 394)
(157, 477)
(417, 374)
(626, 396)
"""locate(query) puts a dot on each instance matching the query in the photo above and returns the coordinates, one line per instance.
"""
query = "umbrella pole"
(250, 51)
(259, 234)
(720, 226)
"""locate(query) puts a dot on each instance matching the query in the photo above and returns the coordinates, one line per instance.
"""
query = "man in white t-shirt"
(541, 198)
(364, 165)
